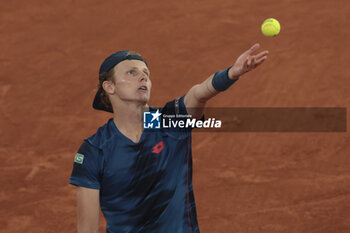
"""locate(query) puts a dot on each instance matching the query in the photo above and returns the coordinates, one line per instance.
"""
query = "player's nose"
(144, 77)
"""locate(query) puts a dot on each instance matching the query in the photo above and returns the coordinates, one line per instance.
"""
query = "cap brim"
(98, 105)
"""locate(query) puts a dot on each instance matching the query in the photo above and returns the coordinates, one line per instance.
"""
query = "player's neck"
(128, 119)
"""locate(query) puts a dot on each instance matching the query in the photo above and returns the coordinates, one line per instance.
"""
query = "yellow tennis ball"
(270, 27)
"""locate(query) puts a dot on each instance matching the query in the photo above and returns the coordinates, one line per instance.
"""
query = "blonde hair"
(106, 76)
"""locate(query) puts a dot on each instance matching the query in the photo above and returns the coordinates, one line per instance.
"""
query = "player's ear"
(108, 87)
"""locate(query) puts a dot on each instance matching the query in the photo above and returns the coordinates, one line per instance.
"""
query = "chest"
(160, 160)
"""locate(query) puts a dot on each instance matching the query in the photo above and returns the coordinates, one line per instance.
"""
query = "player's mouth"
(143, 88)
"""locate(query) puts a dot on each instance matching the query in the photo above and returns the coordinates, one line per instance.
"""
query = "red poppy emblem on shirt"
(158, 148)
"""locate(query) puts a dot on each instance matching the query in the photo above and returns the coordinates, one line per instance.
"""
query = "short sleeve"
(176, 106)
(175, 111)
(181, 107)
(88, 167)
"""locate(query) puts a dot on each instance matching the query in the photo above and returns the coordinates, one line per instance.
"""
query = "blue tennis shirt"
(144, 186)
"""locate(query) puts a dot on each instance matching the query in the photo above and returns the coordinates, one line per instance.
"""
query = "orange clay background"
(50, 53)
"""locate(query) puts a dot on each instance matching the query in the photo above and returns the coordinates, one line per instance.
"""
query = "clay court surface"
(244, 182)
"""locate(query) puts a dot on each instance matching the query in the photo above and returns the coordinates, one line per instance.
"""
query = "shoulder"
(103, 135)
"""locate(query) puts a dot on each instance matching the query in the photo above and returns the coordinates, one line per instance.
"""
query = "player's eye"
(132, 72)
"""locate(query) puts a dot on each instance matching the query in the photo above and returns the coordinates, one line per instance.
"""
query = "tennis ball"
(270, 27)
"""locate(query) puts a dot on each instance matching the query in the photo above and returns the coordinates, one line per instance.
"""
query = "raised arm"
(88, 207)
(199, 94)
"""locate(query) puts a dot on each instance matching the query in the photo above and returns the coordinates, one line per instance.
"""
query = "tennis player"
(142, 179)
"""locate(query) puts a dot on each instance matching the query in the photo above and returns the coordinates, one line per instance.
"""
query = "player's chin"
(143, 99)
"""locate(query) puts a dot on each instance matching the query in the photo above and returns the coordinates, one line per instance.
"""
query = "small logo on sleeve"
(79, 158)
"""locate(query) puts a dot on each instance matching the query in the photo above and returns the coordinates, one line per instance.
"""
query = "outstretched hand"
(247, 62)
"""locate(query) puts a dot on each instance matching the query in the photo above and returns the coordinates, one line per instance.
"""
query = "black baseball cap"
(106, 66)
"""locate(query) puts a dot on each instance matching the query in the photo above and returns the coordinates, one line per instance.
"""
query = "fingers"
(253, 48)
(249, 61)
(262, 54)
(245, 64)
(248, 64)
(260, 60)
(254, 61)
